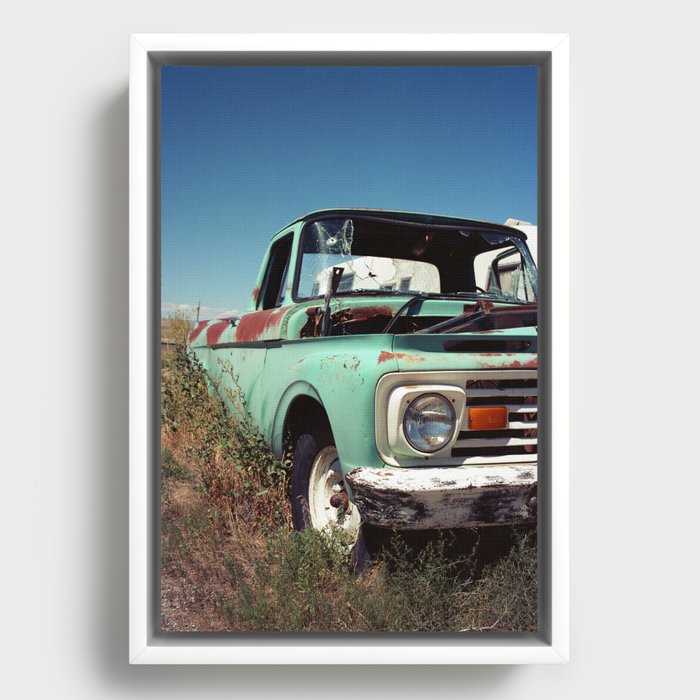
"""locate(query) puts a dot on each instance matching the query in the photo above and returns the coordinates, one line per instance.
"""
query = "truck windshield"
(392, 257)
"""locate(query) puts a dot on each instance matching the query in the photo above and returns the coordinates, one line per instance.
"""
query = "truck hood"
(513, 348)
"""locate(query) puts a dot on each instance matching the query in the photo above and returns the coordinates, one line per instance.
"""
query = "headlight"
(429, 422)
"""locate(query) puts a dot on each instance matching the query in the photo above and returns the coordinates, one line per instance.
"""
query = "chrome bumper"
(445, 497)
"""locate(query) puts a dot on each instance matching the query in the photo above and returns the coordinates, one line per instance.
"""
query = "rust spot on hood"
(409, 359)
(529, 364)
(512, 364)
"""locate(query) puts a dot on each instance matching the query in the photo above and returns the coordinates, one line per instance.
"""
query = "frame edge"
(141, 649)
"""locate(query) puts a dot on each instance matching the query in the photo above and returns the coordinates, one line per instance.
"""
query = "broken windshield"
(382, 256)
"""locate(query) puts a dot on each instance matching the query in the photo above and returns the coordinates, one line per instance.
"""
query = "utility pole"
(199, 304)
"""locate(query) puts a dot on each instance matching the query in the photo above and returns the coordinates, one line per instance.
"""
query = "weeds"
(177, 327)
(505, 598)
(301, 582)
(230, 561)
(209, 428)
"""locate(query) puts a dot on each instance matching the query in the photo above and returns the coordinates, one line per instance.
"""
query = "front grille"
(515, 443)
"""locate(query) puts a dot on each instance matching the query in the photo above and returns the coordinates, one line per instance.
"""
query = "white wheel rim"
(326, 474)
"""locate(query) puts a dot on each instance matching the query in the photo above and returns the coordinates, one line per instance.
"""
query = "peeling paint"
(440, 498)
(352, 364)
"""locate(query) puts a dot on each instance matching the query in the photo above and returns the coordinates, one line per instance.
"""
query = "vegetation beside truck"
(397, 352)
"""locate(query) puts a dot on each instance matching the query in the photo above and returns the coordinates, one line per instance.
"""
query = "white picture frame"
(146, 646)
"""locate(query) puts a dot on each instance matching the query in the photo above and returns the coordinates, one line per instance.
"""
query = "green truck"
(396, 353)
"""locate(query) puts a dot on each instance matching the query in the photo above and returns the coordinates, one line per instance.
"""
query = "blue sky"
(246, 150)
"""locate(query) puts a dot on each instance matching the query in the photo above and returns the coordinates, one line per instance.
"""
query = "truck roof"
(407, 217)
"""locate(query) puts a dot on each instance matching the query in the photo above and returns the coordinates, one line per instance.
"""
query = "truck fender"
(294, 391)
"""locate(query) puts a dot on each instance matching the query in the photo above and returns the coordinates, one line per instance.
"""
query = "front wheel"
(319, 496)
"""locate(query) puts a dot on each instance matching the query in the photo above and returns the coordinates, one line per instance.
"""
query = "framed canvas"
(292, 392)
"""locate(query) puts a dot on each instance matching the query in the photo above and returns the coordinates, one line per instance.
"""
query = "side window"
(272, 292)
(502, 271)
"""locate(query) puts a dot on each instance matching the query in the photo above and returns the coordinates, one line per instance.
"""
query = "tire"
(316, 477)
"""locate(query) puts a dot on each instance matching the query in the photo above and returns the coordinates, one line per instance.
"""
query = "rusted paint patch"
(258, 324)
(215, 330)
(256, 291)
(312, 327)
(511, 364)
(341, 317)
(384, 356)
(362, 313)
(409, 359)
(195, 333)
(530, 364)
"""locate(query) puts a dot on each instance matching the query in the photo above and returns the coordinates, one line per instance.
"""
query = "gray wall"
(634, 155)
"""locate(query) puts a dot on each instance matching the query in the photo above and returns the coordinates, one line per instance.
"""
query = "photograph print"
(349, 360)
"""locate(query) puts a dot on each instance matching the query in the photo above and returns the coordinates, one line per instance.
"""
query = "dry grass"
(176, 327)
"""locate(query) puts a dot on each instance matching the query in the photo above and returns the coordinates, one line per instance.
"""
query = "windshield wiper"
(404, 309)
(383, 292)
(433, 295)
(487, 295)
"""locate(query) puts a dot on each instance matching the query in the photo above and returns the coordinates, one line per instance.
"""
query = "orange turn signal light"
(488, 417)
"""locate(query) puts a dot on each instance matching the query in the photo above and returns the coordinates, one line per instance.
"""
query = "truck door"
(245, 356)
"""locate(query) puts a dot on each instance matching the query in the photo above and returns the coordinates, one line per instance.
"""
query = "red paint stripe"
(195, 333)
(215, 330)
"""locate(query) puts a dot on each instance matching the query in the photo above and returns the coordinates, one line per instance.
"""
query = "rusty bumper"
(445, 497)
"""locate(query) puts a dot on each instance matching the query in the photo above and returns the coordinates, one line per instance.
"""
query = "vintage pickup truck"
(398, 354)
